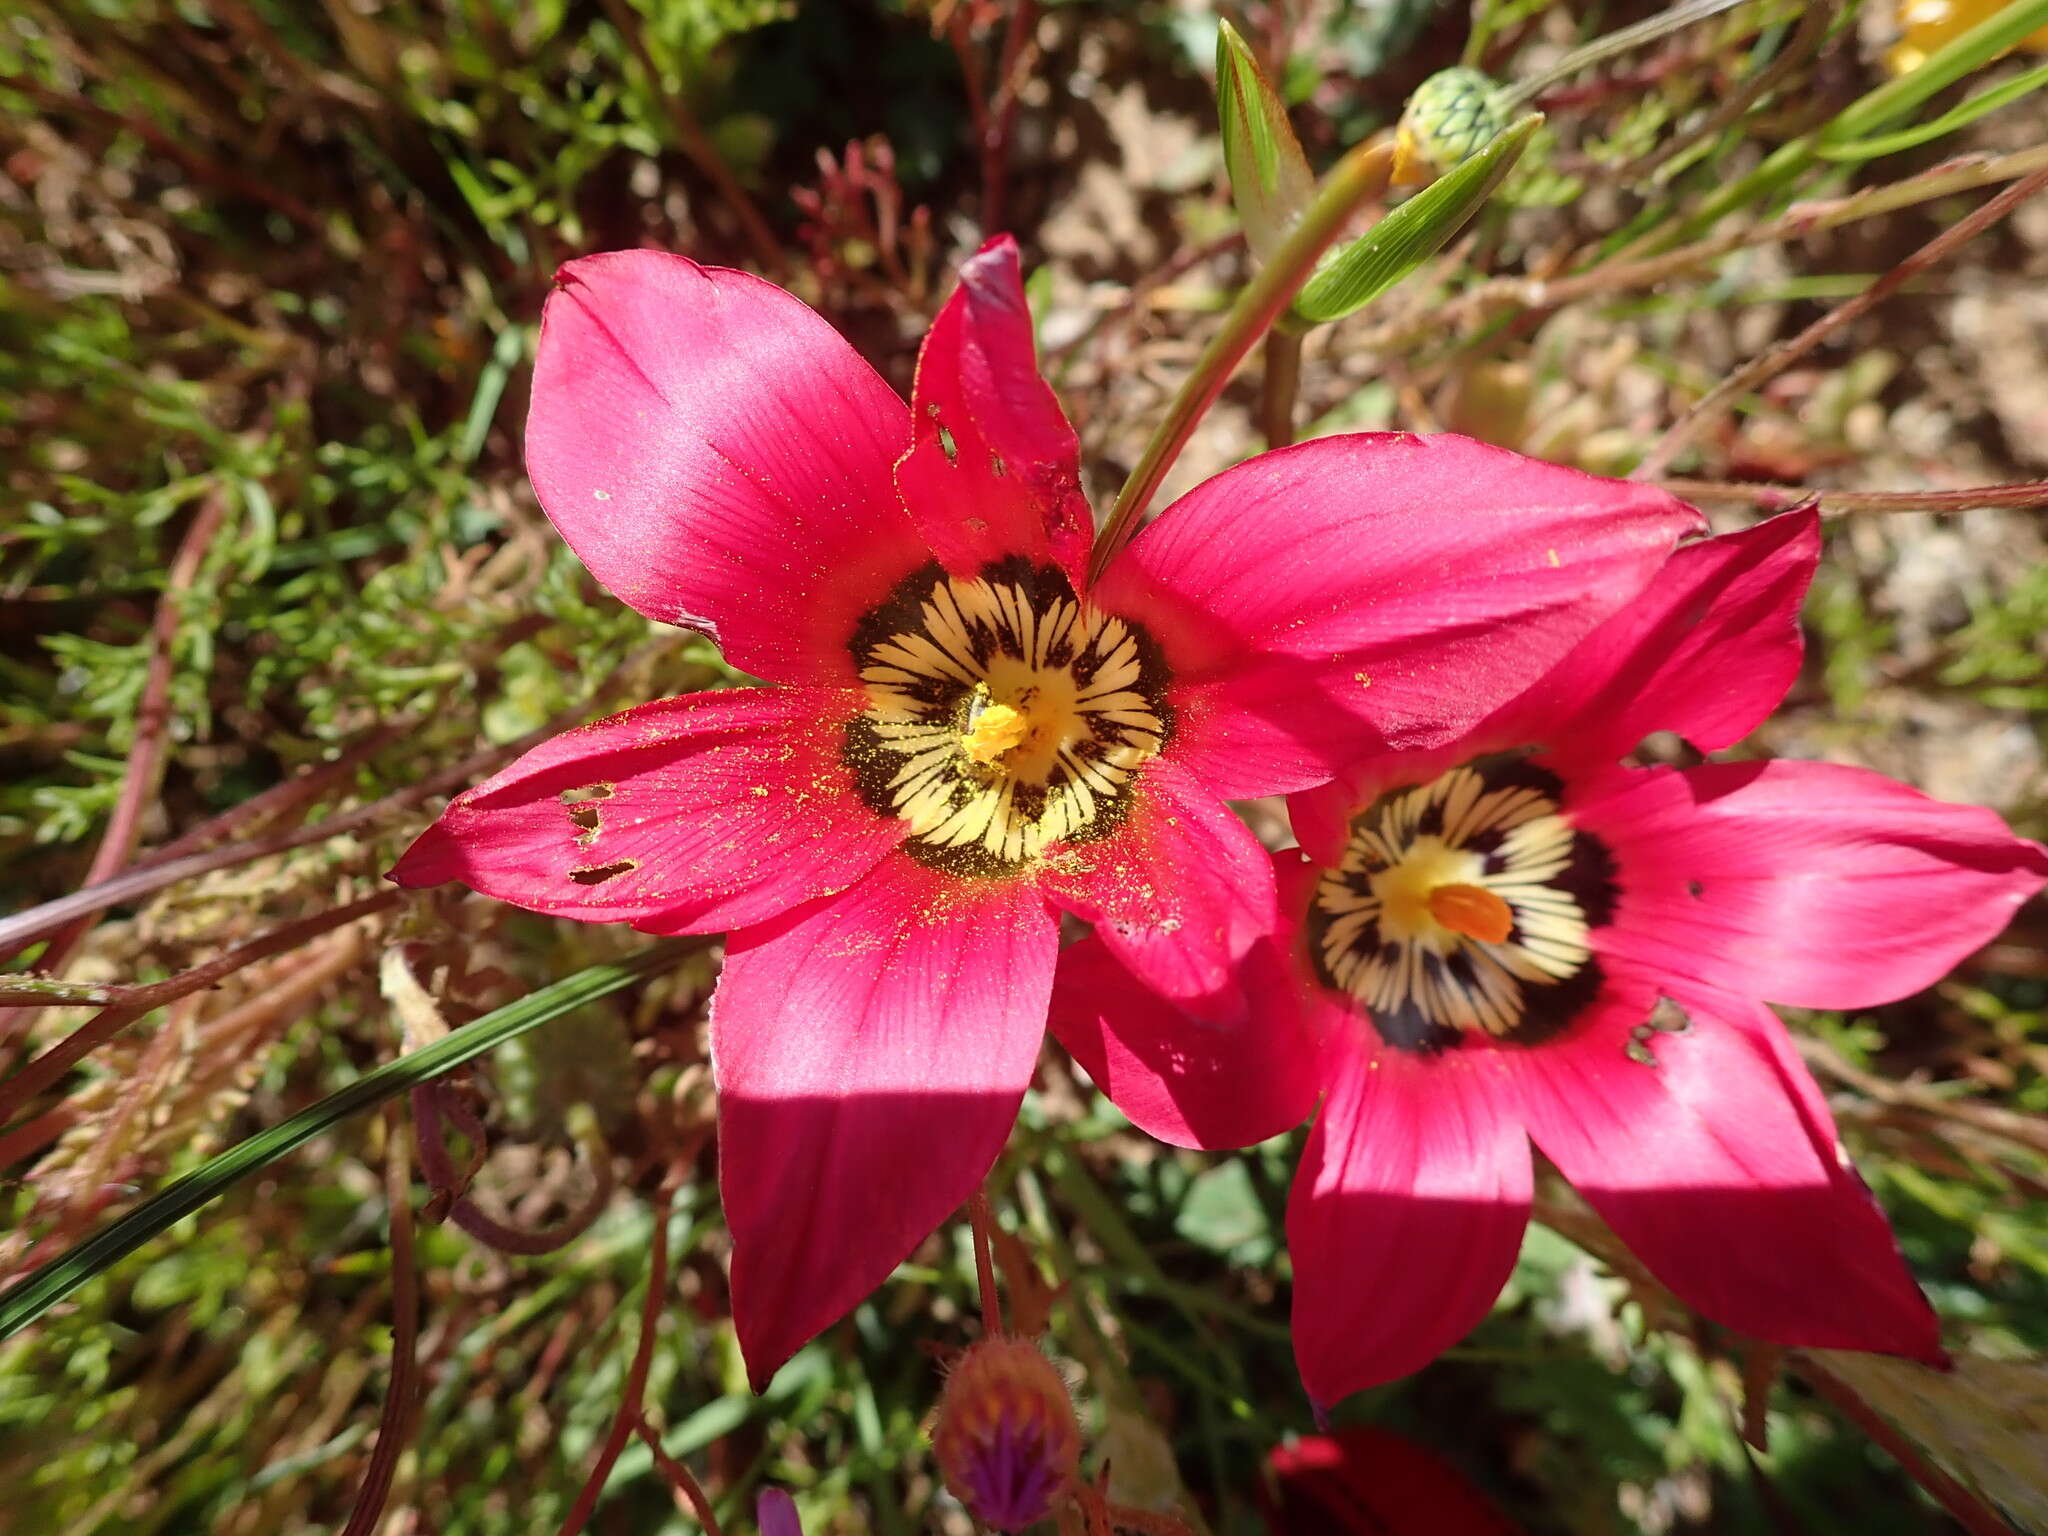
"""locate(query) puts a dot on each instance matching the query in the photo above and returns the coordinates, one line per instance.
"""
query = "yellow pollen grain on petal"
(1473, 911)
(996, 729)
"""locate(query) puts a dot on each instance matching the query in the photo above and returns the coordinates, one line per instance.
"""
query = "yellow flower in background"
(1924, 25)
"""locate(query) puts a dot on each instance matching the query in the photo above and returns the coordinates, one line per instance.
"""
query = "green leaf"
(1997, 33)
(1925, 133)
(1222, 1209)
(1354, 275)
(51, 1283)
(1269, 176)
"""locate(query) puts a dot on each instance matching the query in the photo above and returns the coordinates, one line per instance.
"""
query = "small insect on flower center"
(1464, 907)
(1004, 715)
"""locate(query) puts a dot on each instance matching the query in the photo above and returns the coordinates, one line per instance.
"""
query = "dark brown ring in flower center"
(1004, 715)
(1464, 906)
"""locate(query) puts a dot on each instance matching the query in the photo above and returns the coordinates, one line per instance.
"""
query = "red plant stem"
(134, 883)
(31, 1136)
(984, 1265)
(65, 994)
(284, 796)
(1001, 115)
(128, 1005)
(689, 1494)
(1967, 1509)
(1776, 359)
(442, 1178)
(197, 166)
(636, 1376)
(696, 144)
(393, 1427)
(145, 770)
(1777, 498)
(960, 33)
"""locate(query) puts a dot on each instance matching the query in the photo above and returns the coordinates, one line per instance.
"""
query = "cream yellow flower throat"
(1465, 905)
(1004, 715)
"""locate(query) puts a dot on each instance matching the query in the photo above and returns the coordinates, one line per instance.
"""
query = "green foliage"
(287, 262)
(1359, 271)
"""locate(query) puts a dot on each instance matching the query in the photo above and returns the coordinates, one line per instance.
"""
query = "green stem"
(52, 1282)
(1358, 178)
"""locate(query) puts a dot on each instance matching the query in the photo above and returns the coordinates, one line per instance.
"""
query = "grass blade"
(52, 1282)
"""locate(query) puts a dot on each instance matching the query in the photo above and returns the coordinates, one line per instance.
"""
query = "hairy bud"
(1006, 1438)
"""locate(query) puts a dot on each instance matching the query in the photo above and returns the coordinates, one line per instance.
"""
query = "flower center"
(1004, 715)
(1464, 907)
(992, 729)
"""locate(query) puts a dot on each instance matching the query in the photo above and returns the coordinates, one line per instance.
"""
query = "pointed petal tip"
(433, 859)
(997, 250)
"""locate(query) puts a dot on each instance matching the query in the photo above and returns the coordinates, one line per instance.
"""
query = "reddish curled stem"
(636, 1376)
(395, 1424)
(1002, 114)
(689, 1493)
(429, 1102)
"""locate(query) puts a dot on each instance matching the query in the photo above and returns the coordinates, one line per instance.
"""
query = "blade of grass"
(52, 1282)
(1925, 133)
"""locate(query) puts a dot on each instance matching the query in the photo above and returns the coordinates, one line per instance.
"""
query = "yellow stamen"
(1473, 911)
(995, 730)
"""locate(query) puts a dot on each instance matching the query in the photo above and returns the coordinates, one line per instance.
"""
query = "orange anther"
(1473, 911)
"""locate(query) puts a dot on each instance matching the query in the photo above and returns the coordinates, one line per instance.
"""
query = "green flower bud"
(1453, 115)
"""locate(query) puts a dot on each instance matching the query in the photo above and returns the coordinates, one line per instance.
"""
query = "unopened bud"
(776, 1513)
(1453, 115)
(1006, 1439)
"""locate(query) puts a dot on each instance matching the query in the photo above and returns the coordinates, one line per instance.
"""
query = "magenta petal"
(719, 457)
(1184, 1079)
(689, 815)
(1708, 1167)
(996, 469)
(1406, 1214)
(1707, 650)
(870, 1053)
(1373, 591)
(775, 1514)
(1805, 883)
(1179, 893)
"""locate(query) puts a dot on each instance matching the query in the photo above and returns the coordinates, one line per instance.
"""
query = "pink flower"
(1484, 944)
(1365, 1481)
(962, 739)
